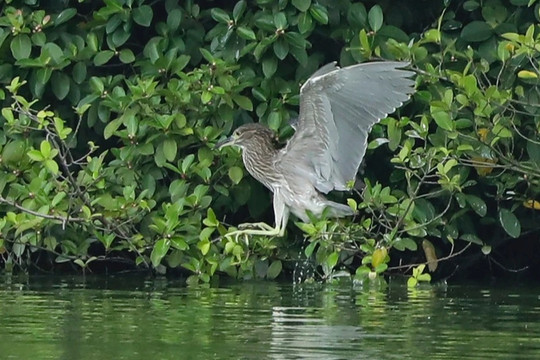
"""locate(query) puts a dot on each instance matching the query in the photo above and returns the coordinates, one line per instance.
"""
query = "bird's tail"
(339, 210)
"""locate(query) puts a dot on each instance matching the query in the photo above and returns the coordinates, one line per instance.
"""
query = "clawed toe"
(259, 225)
(248, 229)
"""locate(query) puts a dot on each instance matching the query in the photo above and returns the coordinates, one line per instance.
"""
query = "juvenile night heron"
(338, 107)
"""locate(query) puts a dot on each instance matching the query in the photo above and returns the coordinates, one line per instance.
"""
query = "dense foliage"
(110, 112)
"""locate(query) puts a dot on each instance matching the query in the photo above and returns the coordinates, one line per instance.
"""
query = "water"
(122, 318)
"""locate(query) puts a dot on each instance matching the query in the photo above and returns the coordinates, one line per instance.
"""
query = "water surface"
(123, 318)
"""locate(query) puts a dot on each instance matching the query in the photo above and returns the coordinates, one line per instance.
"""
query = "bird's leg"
(281, 214)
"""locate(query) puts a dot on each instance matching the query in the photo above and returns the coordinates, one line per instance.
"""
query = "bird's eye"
(236, 133)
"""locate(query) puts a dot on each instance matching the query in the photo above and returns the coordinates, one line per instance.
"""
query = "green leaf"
(174, 18)
(269, 67)
(64, 16)
(244, 102)
(332, 260)
(57, 198)
(510, 223)
(302, 5)
(45, 149)
(274, 120)
(160, 249)
(103, 57)
(470, 5)
(477, 204)
(169, 149)
(43, 75)
(501, 131)
(4, 34)
(8, 115)
(239, 10)
(261, 47)
(265, 22)
(375, 143)
(394, 134)
(533, 149)
(236, 174)
(79, 72)
(393, 32)
(259, 94)
(274, 269)
(92, 41)
(60, 84)
(281, 48)
(319, 13)
(472, 239)
(357, 15)
(206, 96)
(55, 52)
(308, 251)
(35, 155)
(220, 15)
(305, 22)
(52, 166)
(469, 84)
(143, 15)
(119, 37)
(111, 127)
(204, 245)
(300, 55)
(186, 163)
(21, 46)
(246, 33)
(179, 243)
(96, 84)
(207, 55)
(211, 219)
(14, 151)
(295, 39)
(80, 263)
(443, 120)
(364, 41)
(126, 56)
(375, 18)
(476, 31)
(405, 243)
(280, 20)
(494, 12)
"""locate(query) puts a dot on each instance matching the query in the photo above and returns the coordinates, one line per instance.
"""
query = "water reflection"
(119, 318)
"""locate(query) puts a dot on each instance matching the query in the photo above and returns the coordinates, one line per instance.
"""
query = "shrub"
(110, 112)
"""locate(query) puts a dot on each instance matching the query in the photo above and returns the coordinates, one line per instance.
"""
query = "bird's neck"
(259, 161)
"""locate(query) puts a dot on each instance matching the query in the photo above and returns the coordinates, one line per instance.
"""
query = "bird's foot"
(248, 229)
(259, 225)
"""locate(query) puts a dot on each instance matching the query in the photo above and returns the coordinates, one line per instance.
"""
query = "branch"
(447, 257)
(64, 220)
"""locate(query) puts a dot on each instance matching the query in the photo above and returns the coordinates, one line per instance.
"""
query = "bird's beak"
(225, 142)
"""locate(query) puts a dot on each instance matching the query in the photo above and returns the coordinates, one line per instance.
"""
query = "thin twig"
(45, 216)
(448, 257)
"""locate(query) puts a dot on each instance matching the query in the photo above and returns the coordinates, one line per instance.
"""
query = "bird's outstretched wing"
(338, 107)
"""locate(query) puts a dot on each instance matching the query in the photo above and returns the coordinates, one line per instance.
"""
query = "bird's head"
(249, 135)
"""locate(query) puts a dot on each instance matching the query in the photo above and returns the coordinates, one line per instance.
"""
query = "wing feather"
(338, 108)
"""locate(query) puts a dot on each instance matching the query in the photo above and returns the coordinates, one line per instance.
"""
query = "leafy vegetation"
(110, 112)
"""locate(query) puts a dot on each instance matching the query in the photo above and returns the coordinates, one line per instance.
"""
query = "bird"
(338, 108)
